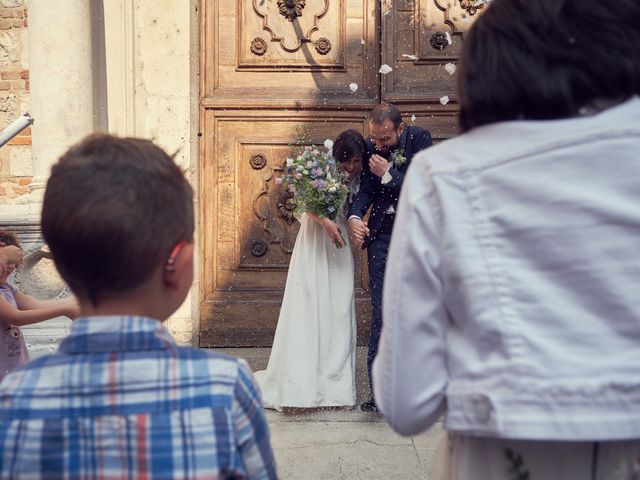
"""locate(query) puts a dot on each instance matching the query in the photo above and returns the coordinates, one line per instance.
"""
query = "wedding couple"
(312, 362)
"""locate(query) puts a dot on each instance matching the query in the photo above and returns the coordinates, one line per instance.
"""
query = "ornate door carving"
(270, 67)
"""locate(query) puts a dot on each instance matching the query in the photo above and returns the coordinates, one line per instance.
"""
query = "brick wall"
(15, 158)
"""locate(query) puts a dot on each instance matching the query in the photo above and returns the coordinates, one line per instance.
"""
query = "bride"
(312, 362)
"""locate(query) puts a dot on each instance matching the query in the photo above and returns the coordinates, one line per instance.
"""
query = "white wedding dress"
(312, 362)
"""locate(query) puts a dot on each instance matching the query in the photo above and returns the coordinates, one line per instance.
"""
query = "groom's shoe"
(369, 406)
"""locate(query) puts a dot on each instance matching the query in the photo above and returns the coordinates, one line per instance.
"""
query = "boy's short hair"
(9, 238)
(112, 211)
(546, 59)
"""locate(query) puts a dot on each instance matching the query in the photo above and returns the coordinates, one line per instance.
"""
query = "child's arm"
(12, 316)
(25, 302)
(251, 428)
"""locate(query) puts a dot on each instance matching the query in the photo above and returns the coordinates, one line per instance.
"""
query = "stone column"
(61, 83)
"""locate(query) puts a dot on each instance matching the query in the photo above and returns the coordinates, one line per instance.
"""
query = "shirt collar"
(116, 334)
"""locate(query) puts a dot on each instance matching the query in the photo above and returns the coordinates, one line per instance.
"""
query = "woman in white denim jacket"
(511, 300)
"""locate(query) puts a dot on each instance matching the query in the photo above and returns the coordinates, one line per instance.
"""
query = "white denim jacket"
(512, 291)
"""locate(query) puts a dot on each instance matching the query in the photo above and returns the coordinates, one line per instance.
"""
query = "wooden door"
(270, 67)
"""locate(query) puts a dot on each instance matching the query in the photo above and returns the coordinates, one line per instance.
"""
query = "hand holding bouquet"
(317, 184)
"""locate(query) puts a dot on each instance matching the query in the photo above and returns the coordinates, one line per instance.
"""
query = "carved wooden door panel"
(270, 67)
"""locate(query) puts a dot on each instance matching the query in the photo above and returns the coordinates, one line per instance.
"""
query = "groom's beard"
(386, 153)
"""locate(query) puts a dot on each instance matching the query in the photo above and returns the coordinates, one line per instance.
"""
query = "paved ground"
(323, 443)
(347, 444)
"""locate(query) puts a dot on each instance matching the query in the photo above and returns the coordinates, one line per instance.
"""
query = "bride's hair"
(347, 145)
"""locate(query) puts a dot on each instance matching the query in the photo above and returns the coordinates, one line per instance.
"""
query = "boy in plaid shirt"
(120, 399)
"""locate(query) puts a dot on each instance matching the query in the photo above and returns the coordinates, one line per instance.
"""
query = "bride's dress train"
(312, 362)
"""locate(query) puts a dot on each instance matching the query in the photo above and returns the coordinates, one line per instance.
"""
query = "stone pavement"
(347, 444)
(320, 443)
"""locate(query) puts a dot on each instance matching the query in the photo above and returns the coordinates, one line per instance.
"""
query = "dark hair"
(347, 145)
(385, 111)
(9, 238)
(546, 59)
(112, 210)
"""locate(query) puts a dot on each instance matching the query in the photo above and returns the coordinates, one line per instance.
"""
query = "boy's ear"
(181, 270)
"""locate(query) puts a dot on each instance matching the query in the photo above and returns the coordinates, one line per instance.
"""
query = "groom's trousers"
(377, 256)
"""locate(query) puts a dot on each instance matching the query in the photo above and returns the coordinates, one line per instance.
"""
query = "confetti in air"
(328, 144)
(362, 42)
(353, 87)
(413, 118)
(410, 57)
(444, 100)
(449, 41)
(384, 69)
(450, 68)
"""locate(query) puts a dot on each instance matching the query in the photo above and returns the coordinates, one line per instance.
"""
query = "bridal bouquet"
(312, 175)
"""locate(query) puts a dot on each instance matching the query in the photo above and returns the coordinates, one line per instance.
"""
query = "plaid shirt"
(121, 400)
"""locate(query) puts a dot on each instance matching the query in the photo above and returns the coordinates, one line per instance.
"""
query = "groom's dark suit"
(373, 193)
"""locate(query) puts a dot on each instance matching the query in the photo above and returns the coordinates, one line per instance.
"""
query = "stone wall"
(16, 169)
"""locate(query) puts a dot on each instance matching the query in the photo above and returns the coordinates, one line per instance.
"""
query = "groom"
(388, 153)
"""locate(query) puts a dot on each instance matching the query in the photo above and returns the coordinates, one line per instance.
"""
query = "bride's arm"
(331, 228)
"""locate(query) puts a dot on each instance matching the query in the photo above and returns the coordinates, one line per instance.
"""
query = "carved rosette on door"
(426, 35)
(291, 9)
(273, 226)
(296, 29)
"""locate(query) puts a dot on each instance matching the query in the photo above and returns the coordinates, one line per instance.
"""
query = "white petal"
(450, 68)
(362, 42)
(353, 87)
(410, 57)
(328, 144)
(384, 69)
(449, 41)
(444, 100)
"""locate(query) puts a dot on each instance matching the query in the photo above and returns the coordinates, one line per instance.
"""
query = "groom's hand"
(357, 231)
(378, 165)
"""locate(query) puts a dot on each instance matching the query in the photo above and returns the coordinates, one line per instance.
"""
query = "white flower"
(332, 189)
(308, 164)
(450, 68)
(444, 100)
(289, 162)
(384, 69)
(398, 158)
(328, 144)
(353, 87)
